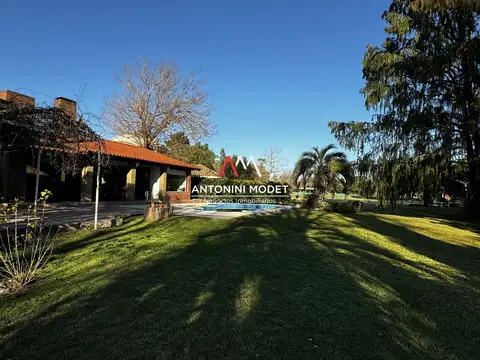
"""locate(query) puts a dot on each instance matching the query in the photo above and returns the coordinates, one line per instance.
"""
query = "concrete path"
(74, 214)
(59, 214)
(69, 214)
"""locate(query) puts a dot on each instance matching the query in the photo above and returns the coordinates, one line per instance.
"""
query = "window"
(176, 181)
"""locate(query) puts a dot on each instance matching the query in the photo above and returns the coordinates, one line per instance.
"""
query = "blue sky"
(278, 71)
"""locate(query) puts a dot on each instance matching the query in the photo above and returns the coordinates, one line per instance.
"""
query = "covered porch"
(125, 181)
(130, 174)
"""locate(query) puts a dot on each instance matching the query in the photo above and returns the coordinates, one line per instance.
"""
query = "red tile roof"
(114, 148)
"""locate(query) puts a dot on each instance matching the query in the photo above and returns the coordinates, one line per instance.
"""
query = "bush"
(224, 181)
(24, 252)
(344, 207)
(311, 201)
(356, 205)
(349, 207)
(326, 206)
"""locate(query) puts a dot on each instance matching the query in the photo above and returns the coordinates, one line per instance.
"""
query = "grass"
(295, 285)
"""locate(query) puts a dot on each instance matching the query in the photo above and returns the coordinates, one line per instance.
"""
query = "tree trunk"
(473, 202)
(3, 183)
(157, 210)
(427, 197)
(97, 189)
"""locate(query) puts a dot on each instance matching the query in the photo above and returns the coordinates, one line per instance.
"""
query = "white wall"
(155, 182)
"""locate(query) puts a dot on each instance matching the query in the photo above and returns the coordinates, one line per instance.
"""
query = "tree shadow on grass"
(133, 225)
(456, 217)
(459, 256)
(428, 305)
(282, 286)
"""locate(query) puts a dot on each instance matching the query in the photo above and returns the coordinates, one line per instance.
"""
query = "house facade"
(135, 173)
(131, 173)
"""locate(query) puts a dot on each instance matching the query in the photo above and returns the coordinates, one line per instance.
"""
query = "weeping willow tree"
(348, 177)
(423, 83)
(365, 178)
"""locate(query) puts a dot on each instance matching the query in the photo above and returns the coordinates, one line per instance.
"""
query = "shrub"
(356, 205)
(326, 206)
(342, 207)
(348, 207)
(225, 181)
(25, 251)
(345, 208)
(311, 201)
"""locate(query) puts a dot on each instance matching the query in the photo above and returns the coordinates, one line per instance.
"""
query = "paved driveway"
(59, 214)
(73, 214)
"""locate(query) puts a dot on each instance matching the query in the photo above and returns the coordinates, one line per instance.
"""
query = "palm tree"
(322, 166)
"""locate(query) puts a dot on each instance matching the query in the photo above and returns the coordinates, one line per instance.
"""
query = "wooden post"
(37, 179)
(97, 190)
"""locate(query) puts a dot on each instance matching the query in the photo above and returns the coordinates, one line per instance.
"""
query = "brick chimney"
(18, 99)
(69, 107)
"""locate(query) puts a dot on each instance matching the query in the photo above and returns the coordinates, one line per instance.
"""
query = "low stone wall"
(101, 224)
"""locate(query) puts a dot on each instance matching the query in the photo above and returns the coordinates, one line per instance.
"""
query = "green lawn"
(295, 285)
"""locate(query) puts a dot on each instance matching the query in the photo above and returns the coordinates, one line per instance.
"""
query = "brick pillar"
(69, 107)
(131, 179)
(18, 99)
(188, 185)
(86, 193)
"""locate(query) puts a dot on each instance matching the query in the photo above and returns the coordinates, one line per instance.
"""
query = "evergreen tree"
(179, 147)
(221, 159)
(424, 84)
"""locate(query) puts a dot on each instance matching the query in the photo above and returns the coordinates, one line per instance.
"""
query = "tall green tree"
(202, 154)
(423, 82)
(221, 159)
(179, 147)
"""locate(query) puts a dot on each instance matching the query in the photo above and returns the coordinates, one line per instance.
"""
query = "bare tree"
(272, 162)
(155, 101)
(285, 176)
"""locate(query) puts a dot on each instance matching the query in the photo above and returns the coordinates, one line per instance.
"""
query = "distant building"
(126, 139)
(133, 173)
(205, 172)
